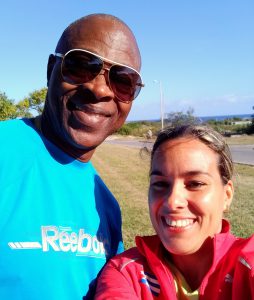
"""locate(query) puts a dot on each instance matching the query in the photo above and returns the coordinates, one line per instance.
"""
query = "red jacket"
(141, 273)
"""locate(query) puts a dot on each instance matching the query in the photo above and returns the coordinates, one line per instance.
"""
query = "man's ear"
(229, 193)
(50, 67)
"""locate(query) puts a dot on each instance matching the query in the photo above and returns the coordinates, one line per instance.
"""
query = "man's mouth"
(88, 108)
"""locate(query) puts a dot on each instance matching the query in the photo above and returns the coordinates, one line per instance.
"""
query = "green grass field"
(126, 174)
(241, 140)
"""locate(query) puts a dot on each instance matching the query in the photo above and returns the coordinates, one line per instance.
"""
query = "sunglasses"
(80, 66)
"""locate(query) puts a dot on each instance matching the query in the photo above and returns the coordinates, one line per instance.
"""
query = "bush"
(139, 128)
(250, 128)
(124, 130)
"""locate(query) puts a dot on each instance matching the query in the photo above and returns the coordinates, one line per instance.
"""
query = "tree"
(250, 128)
(34, 101)
(179, 118)
(23, 109)
(8, 109)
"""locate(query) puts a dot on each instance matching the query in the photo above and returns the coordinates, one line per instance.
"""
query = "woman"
(193, 255)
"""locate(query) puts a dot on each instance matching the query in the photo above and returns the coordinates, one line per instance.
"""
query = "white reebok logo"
(24, 245)
(64, 239)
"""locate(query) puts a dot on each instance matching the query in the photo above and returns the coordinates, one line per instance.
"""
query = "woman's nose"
(176, 198)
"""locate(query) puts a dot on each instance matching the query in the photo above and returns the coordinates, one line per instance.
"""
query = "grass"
(126, 174)
(241, 140)
(241, 213)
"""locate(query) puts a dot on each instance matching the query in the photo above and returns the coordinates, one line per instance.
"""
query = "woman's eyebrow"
(197, 172)
(156, 172)
(187, 173)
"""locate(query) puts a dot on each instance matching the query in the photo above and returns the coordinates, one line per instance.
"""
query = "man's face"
(82, 116)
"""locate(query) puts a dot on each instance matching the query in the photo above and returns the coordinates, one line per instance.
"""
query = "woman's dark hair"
(206, 135)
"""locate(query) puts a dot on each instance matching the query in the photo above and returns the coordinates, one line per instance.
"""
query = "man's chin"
(86, 140)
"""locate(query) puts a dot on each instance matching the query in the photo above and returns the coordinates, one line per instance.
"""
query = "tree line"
(33, 105)
(27, 107)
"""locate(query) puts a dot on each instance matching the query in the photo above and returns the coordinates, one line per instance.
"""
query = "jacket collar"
(152, 248)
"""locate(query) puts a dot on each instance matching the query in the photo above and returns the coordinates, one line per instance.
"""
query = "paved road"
(243, 154)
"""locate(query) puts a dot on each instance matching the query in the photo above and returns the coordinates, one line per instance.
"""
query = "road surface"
(243, 154)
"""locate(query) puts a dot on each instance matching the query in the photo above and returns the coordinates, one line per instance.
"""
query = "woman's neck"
(195, 266)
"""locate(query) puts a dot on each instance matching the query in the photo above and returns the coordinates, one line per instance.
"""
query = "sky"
(195, 54)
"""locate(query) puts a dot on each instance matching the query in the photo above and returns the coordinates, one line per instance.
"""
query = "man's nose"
(177, 198)
(100, 87)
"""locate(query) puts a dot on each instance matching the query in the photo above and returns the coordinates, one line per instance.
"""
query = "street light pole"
(161, 103)
(162, 106)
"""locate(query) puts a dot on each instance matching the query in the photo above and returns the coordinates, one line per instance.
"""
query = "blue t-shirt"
(58, 221)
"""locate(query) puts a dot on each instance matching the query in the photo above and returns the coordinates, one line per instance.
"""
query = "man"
(59, 222)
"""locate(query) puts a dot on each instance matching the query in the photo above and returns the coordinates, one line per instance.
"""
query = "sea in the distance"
(224, 117)
(207, 118)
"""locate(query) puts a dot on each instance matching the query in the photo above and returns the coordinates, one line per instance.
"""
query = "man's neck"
(43, 126)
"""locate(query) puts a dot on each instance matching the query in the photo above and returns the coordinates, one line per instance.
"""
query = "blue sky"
(202, 52)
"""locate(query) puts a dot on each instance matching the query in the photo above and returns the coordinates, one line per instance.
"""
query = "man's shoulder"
(100, 187)
(20, 144)
(8, 124)
(15, 129)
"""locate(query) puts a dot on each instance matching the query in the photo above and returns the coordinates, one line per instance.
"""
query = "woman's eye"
(159, 184)
(195, 184)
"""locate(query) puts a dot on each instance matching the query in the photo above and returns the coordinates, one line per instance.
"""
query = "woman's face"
(187, 196)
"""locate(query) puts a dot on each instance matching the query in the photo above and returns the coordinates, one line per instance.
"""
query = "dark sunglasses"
(80, 66)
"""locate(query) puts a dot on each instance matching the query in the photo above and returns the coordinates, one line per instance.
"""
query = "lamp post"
(161, 103)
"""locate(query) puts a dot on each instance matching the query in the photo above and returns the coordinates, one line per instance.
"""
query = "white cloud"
(230, 98)
(228, 104)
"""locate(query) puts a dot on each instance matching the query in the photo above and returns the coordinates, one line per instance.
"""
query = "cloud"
(228, 104)
(230, 98)
(224, 105)
(233, 98)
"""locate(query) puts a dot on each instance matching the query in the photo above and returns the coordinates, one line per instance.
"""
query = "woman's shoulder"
(244, 244)
(243, 251)
(127, 259)
(247, 252)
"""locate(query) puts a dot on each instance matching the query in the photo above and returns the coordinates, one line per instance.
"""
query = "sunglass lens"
(125, 83)
(79, 67)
